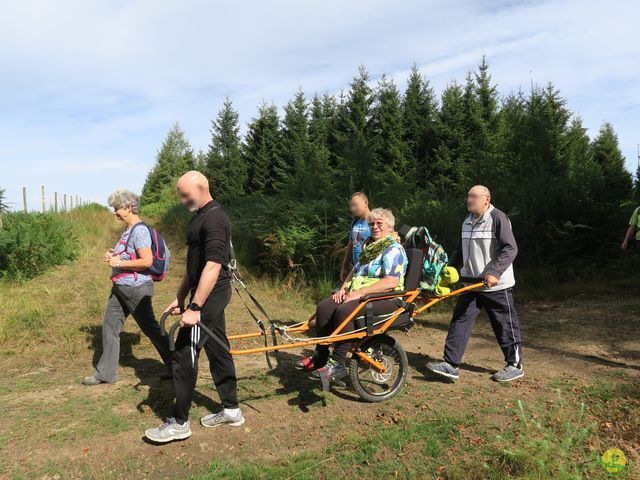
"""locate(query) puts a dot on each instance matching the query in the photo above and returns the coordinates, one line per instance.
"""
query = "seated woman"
(131, 291)
(381, 268)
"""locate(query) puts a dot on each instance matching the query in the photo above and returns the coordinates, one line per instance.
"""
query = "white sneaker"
(221, 418)
(169, 431)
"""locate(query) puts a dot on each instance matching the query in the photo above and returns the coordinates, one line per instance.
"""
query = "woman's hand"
(352, 296)
(114, 260)
(108, 254)
(339, 296)
(176, 307)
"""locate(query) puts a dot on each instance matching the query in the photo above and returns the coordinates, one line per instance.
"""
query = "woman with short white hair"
(131, 292)
(380, 268)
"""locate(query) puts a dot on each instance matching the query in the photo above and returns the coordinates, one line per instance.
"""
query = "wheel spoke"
(375, 385)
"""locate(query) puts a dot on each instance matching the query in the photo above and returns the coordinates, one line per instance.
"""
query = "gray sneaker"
(221, 418)
(169, 431)
(91, 381)
(508, 374)
(444, 369)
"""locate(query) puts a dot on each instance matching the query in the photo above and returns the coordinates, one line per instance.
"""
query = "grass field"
(580, 395)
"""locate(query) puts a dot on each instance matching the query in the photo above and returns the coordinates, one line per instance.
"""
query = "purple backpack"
(160, 251)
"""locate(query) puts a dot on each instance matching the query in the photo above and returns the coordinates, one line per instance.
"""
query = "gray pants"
(125, 300)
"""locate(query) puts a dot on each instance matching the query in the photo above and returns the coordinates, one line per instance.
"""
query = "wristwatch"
(195, 307)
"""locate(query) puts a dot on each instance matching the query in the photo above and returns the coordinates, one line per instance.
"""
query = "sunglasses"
(379, 224)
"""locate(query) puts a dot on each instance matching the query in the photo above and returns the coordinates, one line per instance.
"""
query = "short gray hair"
(383, 214)
(122, 198)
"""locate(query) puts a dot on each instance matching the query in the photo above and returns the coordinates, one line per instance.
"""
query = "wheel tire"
(389, 352)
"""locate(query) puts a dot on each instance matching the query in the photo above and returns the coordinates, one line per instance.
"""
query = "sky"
(89, 89)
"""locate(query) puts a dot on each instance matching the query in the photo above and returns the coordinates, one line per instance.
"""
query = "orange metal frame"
(337, 336)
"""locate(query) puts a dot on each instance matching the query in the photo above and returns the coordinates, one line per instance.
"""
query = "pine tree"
(585, 180)
(483, 125)
(353, 149)
(174, 158)
(226, 168)
(419, 108)
(636, 184)
(262, 150)
(4, 206)
(201, 162)
(318, 166)
(449, 172)
(391, 174)
(606, 152)
(295, 146)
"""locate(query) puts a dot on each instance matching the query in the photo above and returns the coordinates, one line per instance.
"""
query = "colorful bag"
(434, 256)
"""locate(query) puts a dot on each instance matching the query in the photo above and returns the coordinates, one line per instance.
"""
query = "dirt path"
(53, 427)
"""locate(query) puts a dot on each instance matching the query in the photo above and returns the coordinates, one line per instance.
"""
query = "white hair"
(383, 214)
(122, 198)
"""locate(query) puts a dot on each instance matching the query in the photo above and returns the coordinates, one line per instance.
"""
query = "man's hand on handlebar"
(189, 318)
(491, 281)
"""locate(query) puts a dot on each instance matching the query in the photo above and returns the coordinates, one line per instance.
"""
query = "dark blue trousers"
(504, 321)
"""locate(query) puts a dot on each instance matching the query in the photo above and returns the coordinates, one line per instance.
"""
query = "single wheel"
(371, 384)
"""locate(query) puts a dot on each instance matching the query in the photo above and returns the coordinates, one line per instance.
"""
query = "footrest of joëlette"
(327, 381)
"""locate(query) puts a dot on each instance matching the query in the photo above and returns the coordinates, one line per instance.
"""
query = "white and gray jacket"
(486, 247)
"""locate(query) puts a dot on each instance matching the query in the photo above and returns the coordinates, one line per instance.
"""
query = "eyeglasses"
(379, 224)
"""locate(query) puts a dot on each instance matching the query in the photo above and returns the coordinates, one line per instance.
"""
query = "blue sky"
(89, 89)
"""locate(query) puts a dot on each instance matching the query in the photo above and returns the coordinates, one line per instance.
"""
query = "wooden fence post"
(43, 198)
(55, 202)
(64, 203)
(70, 202)
(24, 198)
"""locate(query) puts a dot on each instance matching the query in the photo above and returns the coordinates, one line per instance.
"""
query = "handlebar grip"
(163, 321)
(172, 332)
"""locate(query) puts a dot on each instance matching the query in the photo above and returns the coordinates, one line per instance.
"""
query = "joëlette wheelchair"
(378, 364)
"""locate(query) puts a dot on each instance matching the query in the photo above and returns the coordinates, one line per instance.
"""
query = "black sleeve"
(216, 232)
(456, 260)
(507, 243)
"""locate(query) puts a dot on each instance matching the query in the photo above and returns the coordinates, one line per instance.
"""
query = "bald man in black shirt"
(207, 283)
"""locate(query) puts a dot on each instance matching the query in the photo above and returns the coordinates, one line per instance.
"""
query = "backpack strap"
(133, 256)
(126, 245)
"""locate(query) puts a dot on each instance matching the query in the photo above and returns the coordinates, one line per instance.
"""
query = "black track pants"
(504, 321)
(185, 357)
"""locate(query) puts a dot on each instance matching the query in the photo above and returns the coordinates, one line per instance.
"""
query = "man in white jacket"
(486, 249)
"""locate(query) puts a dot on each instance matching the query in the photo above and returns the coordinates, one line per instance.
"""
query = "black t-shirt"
(208, 240)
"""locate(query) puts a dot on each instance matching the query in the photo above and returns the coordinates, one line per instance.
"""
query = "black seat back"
(414, 269)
